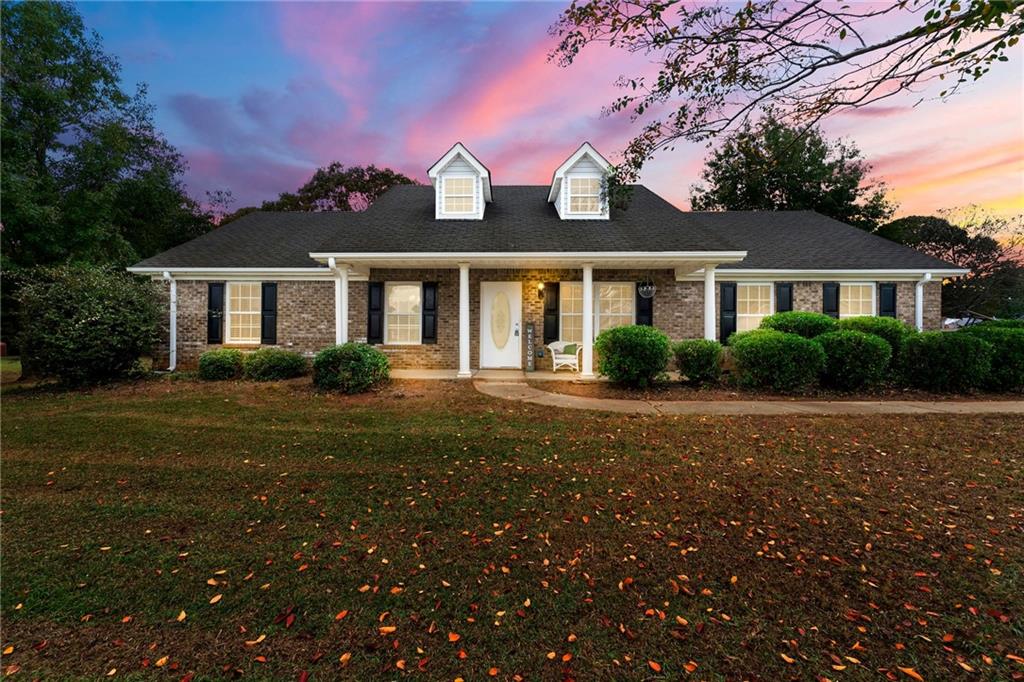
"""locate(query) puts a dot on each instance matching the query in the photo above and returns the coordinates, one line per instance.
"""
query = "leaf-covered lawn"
(264, 531)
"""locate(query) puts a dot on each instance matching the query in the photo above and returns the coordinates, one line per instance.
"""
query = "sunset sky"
(256, 96)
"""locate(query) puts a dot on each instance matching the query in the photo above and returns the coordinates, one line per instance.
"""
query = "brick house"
(460, 274)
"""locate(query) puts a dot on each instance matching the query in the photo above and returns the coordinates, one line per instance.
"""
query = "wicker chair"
(559, 358)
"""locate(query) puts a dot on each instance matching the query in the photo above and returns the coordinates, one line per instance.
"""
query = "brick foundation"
(306, 311)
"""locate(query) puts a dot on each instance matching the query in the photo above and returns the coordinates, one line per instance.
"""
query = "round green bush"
(699, 360)
(350, 367)
(634, 355)
(853, 359)
(273, 364)
(801, 323)
(889, 328)
(85, 325)
(220, 364)
(945, 361)
(766, 358)
(1007, 372)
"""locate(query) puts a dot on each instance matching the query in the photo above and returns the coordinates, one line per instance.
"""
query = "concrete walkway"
(522, 392)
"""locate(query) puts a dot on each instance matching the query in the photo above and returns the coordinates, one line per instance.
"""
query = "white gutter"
(919, 301)
(172, 341)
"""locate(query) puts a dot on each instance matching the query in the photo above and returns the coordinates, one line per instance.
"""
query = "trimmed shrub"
(945, 361)
(766, 358)
(351, 367)
(801, 323)
(634, 355)
(1005, 324)
(889, 328)
(699, 360)
(85, 325)
(1007, 372)
(220, 364)
(853, 359)
(273, 364)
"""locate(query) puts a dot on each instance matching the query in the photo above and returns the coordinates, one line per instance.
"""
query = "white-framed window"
(753, 304)
(459, 194)
(584, 194)
(243, 312)
(614, 306)
(403, 313)
(570, 309)
(856, 299)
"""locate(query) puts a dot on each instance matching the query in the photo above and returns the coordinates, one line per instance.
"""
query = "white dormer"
(462, 185)
(578, 186)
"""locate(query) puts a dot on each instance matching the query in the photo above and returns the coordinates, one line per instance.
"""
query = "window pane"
(614, 305)
(403, 313)
(856, 299)
(570, 307)
(458, 186)
(458, 204)
(585, 195)
(244, 312)
(753, 303)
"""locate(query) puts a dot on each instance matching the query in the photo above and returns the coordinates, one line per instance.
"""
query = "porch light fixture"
(540, 290)
(646, 289)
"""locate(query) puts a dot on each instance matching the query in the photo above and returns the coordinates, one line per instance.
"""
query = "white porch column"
(709, 301)
(464, 372)
(919, 301)
(588, 321)
(341, 322)
(172, 331)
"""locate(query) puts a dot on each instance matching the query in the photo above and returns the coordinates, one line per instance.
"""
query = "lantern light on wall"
(540, 290)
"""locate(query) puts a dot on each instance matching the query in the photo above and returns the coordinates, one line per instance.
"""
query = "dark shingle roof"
(521, 220)
(806, 240)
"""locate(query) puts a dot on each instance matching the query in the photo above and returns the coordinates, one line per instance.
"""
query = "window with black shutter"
(887, 299)
(830, 299)
(429, 312)
(727, 310)
(783, 297)
(644, 309)
(215, 312)
(375, 312)
(268, 313)
(550, 312)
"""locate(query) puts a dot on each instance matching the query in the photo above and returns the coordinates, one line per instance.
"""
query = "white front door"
(501, 316)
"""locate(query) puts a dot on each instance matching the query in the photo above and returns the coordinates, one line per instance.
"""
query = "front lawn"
(427, 530)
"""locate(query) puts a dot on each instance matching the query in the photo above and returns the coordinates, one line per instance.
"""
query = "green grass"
(10, 369)
(859, 542)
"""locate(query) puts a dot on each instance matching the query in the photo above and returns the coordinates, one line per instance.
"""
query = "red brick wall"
(306, 311)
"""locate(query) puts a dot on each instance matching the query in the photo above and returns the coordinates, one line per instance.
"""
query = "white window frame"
(874, 298)
(419, 336)
(569, 194)
(472, 194)
(597, 312)
(771, 300)
(228, 339)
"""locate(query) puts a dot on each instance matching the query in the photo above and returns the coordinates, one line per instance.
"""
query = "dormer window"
(585, 195)
(462, 185)
(577, 186)
(459, 193)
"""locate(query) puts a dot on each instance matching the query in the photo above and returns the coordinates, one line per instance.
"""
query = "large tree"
(772, 166)
(335, 187)
(991, 247)
(86, 176)
(719, 64)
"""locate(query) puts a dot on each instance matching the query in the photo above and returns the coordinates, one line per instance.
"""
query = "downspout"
(172, 341)
(919, 301)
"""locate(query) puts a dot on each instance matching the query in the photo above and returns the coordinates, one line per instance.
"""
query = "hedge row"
(351, 367)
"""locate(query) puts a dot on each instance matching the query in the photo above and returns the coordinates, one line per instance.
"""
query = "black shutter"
(268, 313)
(429, 312)
(783, 297)
(727, 314)
(550, 312)
(887, 299)
(215, 312)
(375, 309)
(830, 299)
(644, 309)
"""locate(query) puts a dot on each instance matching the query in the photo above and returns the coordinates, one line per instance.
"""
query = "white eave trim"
(496, 259)
(586, 149)
(873, 274)
(243, 273)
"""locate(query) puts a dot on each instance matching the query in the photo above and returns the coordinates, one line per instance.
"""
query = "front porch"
(476, 323)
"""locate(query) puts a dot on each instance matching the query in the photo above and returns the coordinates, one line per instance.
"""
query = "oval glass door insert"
(501, 315)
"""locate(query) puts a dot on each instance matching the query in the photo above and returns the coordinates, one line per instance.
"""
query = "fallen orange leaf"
(387, 629)
(655, 666)
(216, 598)
(344, 659)
(454, 636)
(341, 614)
(910, 672)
